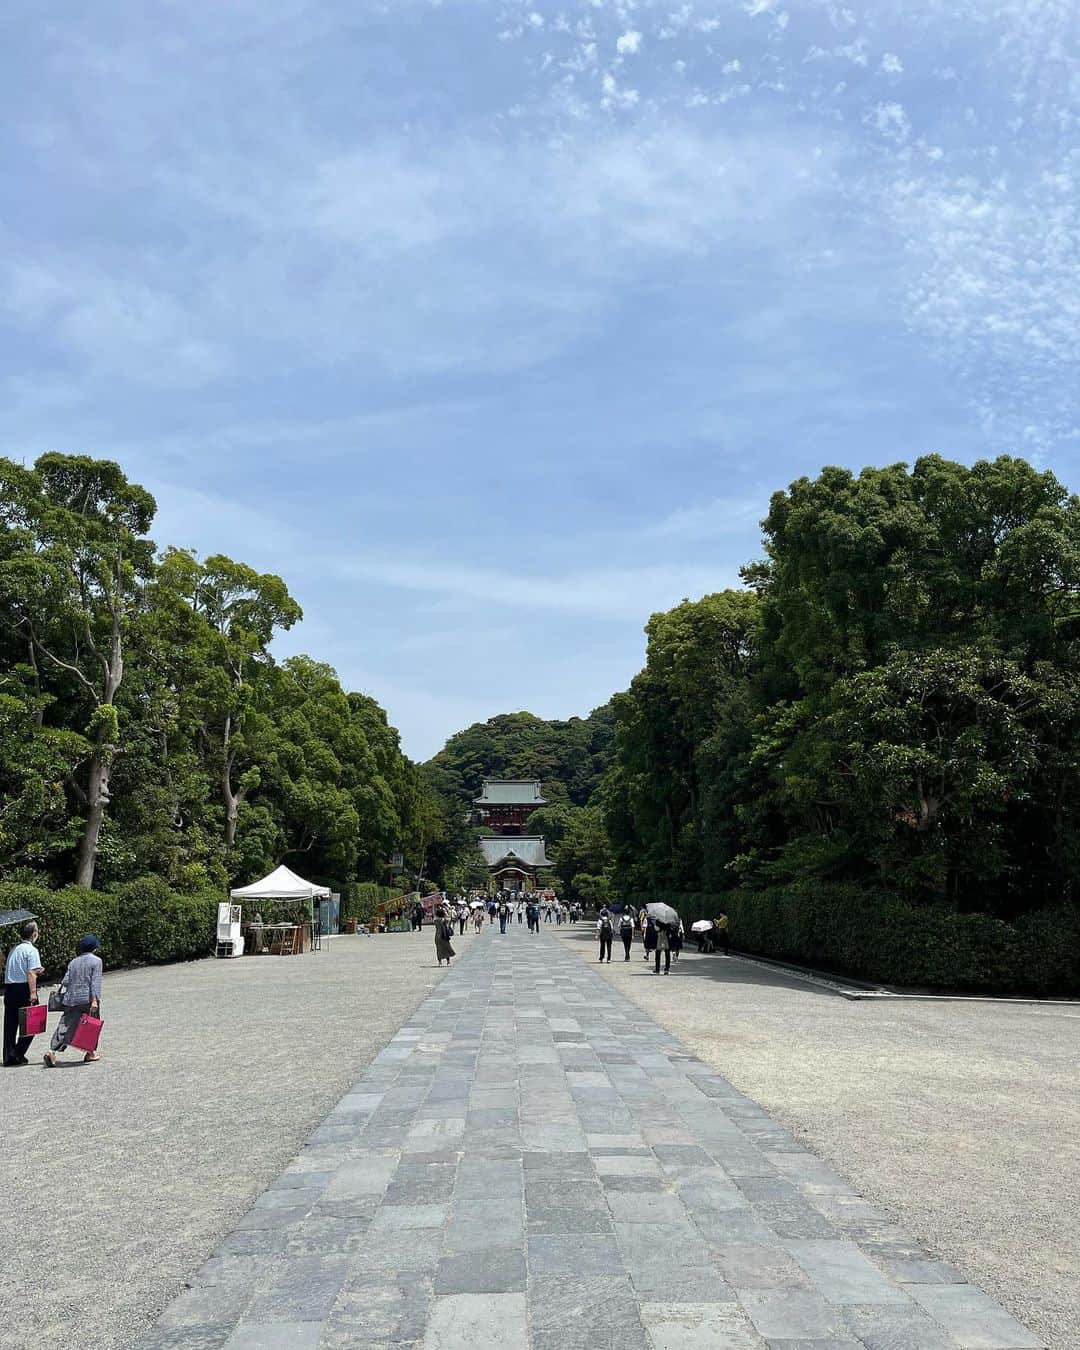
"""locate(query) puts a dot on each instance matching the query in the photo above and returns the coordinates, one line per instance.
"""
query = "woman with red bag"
(81, 988)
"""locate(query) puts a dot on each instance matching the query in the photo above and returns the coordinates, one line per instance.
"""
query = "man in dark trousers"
(626, 932)
(20, 990)
(605, 931)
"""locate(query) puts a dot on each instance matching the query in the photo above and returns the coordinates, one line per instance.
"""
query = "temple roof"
(527, 850)
(510, 792)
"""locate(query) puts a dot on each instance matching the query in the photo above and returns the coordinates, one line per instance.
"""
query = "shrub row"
(359, 898)
(141, 921)
(878, 937)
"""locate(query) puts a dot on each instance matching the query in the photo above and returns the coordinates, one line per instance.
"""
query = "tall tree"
(242, 610)
(699, 660)
(70, 587)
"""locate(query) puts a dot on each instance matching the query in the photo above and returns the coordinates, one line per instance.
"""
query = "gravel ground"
(962, 1120)
(127, 1173)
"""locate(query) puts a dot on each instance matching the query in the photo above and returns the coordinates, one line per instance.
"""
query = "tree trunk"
(97, 799)
(232, 810)
(97, 790)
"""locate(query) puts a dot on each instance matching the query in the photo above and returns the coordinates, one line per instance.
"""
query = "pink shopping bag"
(87, 1033)
(32, 1019)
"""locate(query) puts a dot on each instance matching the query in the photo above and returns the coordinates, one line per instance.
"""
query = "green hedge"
(141, 921)
(878, 937)
(359, 898)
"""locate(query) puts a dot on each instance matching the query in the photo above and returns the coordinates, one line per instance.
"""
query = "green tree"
(241, 610)
(75, 560)
(951, 593)
(665, 817)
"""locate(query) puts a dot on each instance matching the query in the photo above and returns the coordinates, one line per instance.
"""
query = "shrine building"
(513, 858)
(505, 804)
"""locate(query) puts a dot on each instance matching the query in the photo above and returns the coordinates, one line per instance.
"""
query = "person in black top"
(626, 931)
(606, 931)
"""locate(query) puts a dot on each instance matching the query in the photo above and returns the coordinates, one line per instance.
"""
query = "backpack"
(626, 924)
(605, 926)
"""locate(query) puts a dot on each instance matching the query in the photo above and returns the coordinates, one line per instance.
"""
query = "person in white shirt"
(21, 973)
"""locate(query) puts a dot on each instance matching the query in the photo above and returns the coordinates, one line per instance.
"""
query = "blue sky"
(491, 327)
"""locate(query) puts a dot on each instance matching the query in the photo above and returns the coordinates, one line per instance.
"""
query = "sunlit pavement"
(534, 1161)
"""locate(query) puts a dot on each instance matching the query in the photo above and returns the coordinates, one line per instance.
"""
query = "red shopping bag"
(87, 1033)
(32, 1019)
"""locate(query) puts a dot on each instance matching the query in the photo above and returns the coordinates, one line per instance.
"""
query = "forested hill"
(570, 758)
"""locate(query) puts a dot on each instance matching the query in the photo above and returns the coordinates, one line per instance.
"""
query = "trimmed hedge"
(142, 921)
(876, 936)
(359, 898)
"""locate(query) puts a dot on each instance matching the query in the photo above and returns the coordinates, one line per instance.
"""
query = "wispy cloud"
(601, 593)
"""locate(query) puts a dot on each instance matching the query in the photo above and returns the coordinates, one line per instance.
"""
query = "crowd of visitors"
(659, 926)
(78, 995)
(661, 930)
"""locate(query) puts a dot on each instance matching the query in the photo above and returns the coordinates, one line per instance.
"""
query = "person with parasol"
(665, 923)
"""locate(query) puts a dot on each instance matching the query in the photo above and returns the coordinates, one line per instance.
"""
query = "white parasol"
(661, 913)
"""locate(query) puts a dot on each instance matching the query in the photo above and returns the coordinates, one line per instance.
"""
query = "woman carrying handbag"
(81, 994)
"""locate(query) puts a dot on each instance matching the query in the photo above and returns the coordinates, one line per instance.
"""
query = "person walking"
(444, 932)
(648, 936)
(678, 932)
(605, 930)
(504, 914)
(478, 918)
(532, 913)
(723, 935)
(626, 932)
(418, 917)
(663, 947)
(462, 916)
(81, 990)
(21, 972)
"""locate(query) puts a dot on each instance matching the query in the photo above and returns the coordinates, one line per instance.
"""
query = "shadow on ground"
(721, 970)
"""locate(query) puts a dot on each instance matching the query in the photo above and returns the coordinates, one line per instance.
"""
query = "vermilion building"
(513, 857)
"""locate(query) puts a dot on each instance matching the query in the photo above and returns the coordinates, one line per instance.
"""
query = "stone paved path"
(533, 1162)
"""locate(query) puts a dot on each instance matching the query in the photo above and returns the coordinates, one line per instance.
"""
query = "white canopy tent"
(283, 884)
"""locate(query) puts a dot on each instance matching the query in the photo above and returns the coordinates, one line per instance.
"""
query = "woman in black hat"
(81, 990)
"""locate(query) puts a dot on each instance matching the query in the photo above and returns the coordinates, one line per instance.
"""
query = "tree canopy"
(145, 725)
(894, 699)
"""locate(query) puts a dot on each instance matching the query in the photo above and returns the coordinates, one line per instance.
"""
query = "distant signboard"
(397, 862)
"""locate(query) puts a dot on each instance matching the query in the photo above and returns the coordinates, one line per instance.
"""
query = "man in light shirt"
(20, 990)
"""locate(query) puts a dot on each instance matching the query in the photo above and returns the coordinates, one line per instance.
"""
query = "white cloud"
(731, 67)
(616, 97)
(629, 44)
(993, 278)
(710, 519)
(891, 64)
(891, 121)
(601, 593)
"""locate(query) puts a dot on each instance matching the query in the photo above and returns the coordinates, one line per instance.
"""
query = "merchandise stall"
(265, 928)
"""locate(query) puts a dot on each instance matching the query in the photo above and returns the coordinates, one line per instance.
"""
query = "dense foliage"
(139, 921)
(145, 727)
(890, 708)
(877, 936)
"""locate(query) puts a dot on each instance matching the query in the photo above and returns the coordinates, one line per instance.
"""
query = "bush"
(141, 921)
(359, 898)
(156, 924)
(875, 936)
